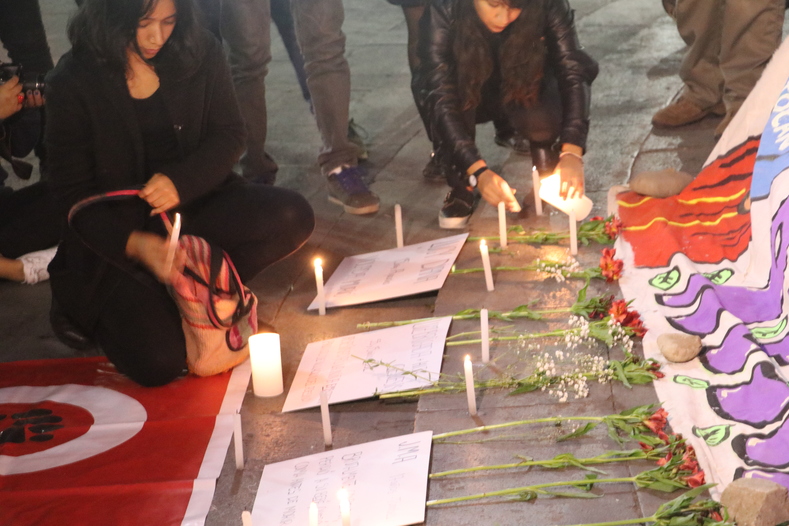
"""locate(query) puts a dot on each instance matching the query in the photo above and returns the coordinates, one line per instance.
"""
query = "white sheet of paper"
(393, 273)
(386, 481)
(418, 347)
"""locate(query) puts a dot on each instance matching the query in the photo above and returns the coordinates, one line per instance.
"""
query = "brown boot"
(679, 113)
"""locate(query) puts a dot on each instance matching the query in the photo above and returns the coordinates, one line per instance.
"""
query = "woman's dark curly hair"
(521, 54)
(105, 29)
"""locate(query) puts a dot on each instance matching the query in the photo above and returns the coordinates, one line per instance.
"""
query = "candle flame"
(467, 358)
(318, 262)
(482, 243)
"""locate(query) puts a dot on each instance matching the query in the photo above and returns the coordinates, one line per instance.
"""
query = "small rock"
(756, 502)
(679, 348)
(662, 183)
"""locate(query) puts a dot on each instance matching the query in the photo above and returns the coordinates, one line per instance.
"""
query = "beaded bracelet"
(572, 154)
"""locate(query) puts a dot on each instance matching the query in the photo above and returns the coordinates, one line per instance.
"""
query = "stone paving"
(639, 51)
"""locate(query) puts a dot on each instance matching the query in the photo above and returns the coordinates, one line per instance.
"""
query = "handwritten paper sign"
(338, 365)
(392, 273)
(386, 481)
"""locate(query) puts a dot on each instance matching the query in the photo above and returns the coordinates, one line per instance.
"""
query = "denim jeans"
(322, 42)
(246, 30)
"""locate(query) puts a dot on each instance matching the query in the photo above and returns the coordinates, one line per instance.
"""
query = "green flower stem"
(527, 336)
(528, 268)
(535, 488)
(471, 316)
(551, 463)
(546, 420)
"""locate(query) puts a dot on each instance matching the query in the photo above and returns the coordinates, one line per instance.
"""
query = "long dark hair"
(104, 29)
(521, 54)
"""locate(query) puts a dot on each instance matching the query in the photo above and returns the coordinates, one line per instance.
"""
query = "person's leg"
(283, 19)
(256, 225)
(246, 29)
(28, 221)
(412, 15)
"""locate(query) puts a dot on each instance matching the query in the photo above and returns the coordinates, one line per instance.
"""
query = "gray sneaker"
(346, 188)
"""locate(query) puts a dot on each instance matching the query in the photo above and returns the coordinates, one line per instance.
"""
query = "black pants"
(28, 221)
(139, 328)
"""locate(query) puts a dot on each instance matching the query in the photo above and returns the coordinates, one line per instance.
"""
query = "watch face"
(472, 180)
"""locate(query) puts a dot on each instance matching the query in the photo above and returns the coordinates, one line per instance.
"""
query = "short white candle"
(175, 234)
(266, 360)
(345, 507)
(325, 420)
(483, 325)
(470, 394)
(502, 225)
(313, 514)
(535, 180)
(238, 441)
(319, 286)
(573, 233)
(483, 250)
(246, 518)
(398, 213)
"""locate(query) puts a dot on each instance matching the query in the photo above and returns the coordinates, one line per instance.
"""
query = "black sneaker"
(346, 188)
(514, 142)
(457, 209)
(434, 171)
(357, 135)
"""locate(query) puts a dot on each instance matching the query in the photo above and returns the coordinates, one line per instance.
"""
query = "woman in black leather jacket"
(482, 59)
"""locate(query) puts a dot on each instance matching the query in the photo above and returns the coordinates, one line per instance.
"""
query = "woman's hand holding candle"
(571, 171)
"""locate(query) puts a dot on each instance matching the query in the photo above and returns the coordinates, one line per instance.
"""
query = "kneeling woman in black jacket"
(144, 98)
(518, 59)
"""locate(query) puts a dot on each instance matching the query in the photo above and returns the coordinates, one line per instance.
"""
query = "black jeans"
(28, 221)
(139, 328)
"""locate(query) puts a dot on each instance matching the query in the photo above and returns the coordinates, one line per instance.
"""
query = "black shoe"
(457, 209)
(514, 141)
(66, 331)
(435, 171)
(346, 188)
(545, 158)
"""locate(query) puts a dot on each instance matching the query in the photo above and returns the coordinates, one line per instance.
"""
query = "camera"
(30, 81)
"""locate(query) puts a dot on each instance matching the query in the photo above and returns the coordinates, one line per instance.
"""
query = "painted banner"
(392, 273)
(386, 481)
(712, 261)
(82, 444)
(339, 366)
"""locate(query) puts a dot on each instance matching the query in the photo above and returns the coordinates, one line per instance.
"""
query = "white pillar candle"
(535, 179)
(246, 518)
(502, 225)
(313, 514)
(483, 250)
(266, 360)
(319, 286)
(238, 441)
(345, 507)
(470, 393)
(325, 420)
(573, 233)
(483, 325)
(175, 234)
(398, 213)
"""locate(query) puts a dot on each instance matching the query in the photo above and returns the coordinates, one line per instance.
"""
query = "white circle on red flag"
(116, 418)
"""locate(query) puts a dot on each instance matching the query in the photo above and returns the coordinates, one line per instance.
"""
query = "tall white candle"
(345, 507)
(175, 234)
(313, 514)
(325, 420)
(573, 233)
(319, 286)
(502, 225)
(470, 394)
(483, 250)
(398, 213)
(483, 325)
(535, 180)
(238, 441)
(266, 360)
(246, 518)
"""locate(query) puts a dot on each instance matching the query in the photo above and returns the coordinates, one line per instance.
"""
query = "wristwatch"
(473, 179)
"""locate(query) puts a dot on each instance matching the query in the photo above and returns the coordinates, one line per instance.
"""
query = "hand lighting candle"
(319, 286)
(502, 225)
(398, 213)
(470, 393)
(483, 250)
(483, 322)
(264, 354)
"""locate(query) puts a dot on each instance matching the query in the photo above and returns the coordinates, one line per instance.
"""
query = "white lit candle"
(470, 394)
(266, 360)
(246, 518)
(325, 420)
(238, 441)
(319, 285)
(345, 507)
(502, 225)
(173, 243)
(483, 250)
(535, 180)
(313, 514)
(483, 325)
(398, 211)
(573, 233)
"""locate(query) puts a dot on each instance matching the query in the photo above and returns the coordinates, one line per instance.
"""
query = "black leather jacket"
(435, 83)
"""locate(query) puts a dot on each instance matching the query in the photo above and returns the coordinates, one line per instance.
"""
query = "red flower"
(695, 480)
(716, 516)
(657, 422)
(597, 218)
(627, 318)
(658, 374)
(665, 460)
(664, 437)
(645, 447)
(613, 226)
(611, 267)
